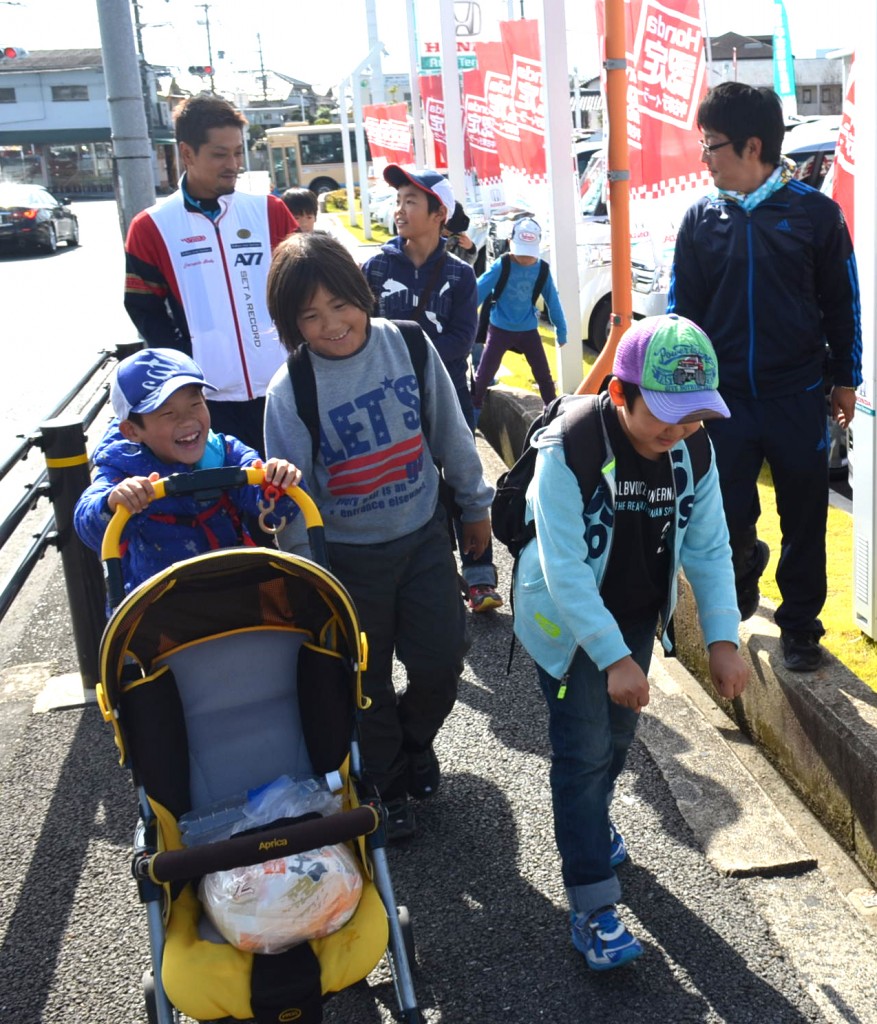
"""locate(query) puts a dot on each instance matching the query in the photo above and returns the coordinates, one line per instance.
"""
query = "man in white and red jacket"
(197, 266)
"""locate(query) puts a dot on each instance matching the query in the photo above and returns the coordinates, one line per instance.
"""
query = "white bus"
(310, 156)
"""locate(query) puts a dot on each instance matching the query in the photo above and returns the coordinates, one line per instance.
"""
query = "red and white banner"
(513, 95)
(388, 133)
(479, 136)
(666, 82)
(433, 99)
(844, 170)
(666, 75)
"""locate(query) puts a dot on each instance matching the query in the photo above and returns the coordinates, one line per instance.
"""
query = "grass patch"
(379, 234)
(515, 370)
(842, 637)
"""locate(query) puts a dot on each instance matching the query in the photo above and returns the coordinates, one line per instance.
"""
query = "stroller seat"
(239, 698)
(224, 702)
(220, 675)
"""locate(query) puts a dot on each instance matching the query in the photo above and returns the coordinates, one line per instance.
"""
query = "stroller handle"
(258, 847)
(208, 483)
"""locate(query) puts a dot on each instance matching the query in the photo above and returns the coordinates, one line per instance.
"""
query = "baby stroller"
(219, 675)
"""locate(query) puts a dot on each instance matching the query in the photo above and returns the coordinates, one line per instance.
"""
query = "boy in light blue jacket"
(587, 601)
(514, 281)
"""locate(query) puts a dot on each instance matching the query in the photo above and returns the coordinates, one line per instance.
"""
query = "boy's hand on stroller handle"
(279, 476)
(135, 493)
(210, 480)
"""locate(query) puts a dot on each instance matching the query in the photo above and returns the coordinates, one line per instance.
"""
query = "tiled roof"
(54, 60)
(747, 47)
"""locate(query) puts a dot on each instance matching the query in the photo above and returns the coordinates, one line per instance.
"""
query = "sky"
(322, 50)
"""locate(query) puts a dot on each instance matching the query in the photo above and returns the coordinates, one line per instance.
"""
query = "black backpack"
(504, 270)
(584, 449)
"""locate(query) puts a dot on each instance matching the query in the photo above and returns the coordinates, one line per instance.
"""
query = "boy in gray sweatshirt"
(375, 482)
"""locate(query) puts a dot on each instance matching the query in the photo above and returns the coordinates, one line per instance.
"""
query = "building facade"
(55, 123)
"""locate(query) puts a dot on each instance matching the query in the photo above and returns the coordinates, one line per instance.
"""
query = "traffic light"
(201, 69)
(12, 52)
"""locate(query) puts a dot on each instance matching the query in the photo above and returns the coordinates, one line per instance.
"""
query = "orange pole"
(619, 194)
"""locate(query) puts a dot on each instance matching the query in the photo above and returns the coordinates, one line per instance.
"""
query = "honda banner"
(844, 169)
(388, 133)
(666, 82)
(479, 132)
(434, 115)
(513, 94)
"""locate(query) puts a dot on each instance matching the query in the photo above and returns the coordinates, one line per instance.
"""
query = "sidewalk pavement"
(764, 936)
(818, 729)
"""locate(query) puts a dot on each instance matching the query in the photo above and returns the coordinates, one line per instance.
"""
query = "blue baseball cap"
(147, 379)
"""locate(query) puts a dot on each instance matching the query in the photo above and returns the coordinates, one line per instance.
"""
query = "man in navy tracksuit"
(765, 266)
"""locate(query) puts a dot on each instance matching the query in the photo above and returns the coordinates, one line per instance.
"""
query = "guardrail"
(61, 437)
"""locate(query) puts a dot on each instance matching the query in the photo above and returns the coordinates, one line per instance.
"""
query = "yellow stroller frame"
(251, 660)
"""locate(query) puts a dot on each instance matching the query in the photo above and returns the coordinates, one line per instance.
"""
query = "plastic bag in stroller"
(225, 677)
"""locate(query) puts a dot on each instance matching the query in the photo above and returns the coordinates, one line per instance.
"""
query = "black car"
(31, 217)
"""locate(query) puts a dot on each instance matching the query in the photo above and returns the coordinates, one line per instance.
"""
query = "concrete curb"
(819, 730)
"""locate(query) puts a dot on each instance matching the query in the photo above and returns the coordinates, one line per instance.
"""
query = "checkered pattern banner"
(693, 183)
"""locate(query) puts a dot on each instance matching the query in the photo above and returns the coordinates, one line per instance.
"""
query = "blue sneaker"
(617, 847)
(603, 940)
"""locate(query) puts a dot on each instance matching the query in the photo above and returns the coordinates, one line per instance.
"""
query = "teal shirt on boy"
(515, 310)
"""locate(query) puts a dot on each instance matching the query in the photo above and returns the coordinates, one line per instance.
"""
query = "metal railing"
(62, 440)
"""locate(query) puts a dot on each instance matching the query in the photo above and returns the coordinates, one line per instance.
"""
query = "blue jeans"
(590, 736)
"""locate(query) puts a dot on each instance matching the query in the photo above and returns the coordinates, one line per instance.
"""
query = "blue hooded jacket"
(558, 607)
(450, 318)
(170, 530)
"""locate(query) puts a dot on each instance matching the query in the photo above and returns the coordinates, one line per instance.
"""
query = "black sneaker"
(424, 773)
(748, 594)
(801, 651)
(400, 823)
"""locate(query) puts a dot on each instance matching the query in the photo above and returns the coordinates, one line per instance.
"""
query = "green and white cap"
(675, 366)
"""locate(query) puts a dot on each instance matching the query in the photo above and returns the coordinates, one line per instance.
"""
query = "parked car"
(31, 217)
(811, 145)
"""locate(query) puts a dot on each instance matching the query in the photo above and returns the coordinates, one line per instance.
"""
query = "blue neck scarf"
(780, 176)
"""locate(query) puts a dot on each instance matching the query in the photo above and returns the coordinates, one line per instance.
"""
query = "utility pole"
(263, 78)
(209, 44)
(132, 152)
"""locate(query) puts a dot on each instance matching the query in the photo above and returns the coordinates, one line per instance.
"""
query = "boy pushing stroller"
(164, 427)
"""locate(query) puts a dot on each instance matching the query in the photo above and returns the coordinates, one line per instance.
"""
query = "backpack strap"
(541, 278)
(701, 454)
(584, 445)
(304, 388)
(413, 336)
(304, 385)
(505, 268)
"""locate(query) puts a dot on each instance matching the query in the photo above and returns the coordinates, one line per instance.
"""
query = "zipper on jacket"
(750, 301)
(666, 613)
(234, 312)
